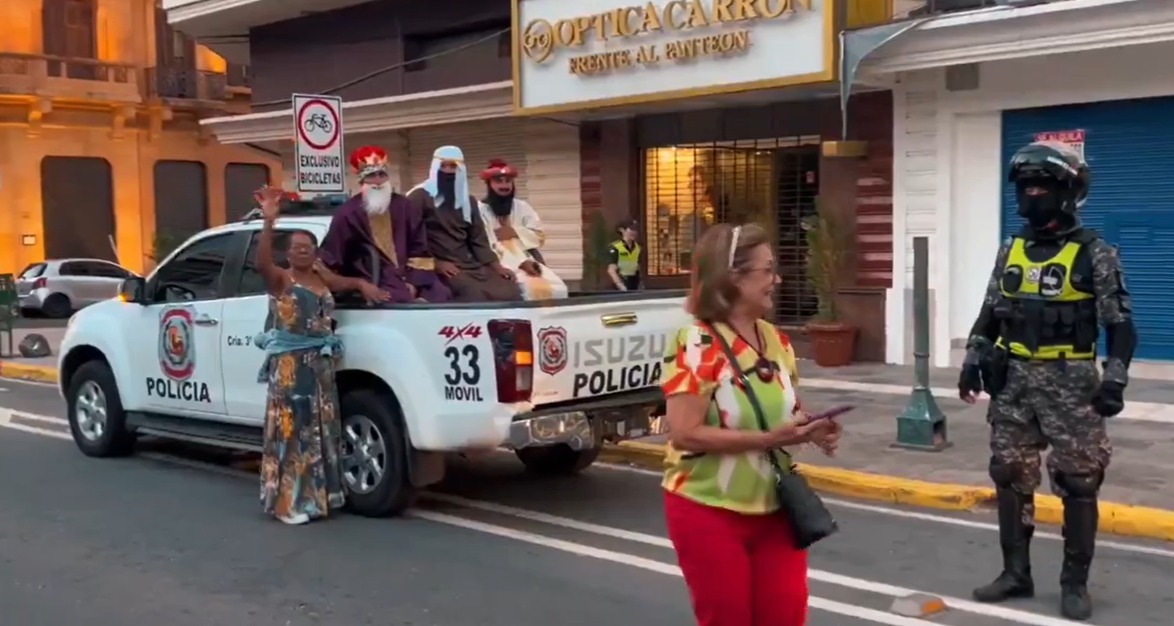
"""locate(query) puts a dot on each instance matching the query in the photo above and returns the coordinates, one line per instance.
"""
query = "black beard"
(446, 188)
(501, 205)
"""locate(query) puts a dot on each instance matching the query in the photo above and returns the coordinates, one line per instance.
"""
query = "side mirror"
(133, 290)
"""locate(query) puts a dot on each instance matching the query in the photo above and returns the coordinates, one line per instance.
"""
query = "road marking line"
(928, 517)
(20, 381)
(631, 560)
(1141, 411)
(7, 414)
(33, 430)
(1021, 617)
(48, 419)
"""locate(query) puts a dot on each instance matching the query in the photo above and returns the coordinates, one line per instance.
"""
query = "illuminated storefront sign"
(585, 54)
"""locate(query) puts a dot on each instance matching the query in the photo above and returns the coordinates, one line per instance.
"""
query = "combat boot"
(1080, 536)
(1015, 540)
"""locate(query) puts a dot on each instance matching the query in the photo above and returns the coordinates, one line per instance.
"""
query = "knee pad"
(1003, 474)
(1080, 485)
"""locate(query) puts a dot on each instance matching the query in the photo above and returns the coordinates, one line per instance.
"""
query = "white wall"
(947, 170)
(974, 210)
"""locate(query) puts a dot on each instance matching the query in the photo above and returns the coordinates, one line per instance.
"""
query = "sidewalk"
(1138, 494)
(41, 370)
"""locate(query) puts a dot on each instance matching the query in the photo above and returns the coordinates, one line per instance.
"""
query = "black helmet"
(1053, 161)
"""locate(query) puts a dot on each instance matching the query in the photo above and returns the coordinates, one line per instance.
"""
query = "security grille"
(771, 182)
(798, 189)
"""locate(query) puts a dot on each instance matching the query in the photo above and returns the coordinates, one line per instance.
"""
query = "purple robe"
(346, 250)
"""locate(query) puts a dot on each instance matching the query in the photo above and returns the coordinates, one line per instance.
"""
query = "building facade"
(692, 115)
(679, 115)
(100, 104)
(969, 90)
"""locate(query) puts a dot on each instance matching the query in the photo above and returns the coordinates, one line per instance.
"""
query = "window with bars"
(771, 182)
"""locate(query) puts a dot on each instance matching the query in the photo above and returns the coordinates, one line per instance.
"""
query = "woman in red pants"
(733, 546)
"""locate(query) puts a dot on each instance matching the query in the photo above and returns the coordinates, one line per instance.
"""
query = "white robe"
(512, 252)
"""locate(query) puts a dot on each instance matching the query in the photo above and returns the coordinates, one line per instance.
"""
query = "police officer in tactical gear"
(1033, 350)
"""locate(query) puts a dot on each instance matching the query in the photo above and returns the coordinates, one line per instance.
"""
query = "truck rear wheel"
(557, 460)
(374, 455)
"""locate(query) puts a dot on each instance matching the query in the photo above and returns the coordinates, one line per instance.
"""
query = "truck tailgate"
(600, 348)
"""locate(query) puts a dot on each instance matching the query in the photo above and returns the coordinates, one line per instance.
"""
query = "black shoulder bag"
(810, 519)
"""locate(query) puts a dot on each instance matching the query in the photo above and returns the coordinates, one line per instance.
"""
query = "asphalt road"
(179, 539)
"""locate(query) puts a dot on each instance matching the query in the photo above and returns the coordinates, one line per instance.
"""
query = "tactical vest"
(629, 260)
(1044, 315)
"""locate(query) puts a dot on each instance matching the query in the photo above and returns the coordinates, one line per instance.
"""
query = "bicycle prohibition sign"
(318, 124)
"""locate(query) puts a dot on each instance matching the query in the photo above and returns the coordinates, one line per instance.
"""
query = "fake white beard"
(376, 198)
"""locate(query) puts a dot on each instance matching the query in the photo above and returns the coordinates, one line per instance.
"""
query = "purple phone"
(835, 412)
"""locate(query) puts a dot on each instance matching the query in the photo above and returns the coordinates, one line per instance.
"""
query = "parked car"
(57, 288)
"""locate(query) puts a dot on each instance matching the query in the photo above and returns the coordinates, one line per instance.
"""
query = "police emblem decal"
(177, 350)
(552, 350)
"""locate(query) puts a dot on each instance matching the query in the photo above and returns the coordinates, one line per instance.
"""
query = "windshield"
(33, 271)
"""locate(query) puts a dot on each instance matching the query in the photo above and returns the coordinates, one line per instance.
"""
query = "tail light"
(513, 359)
(40, 283)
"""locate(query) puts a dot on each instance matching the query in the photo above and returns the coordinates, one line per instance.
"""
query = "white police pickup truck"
(173, 357)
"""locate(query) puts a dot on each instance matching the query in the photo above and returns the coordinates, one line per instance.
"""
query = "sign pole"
(922, 425)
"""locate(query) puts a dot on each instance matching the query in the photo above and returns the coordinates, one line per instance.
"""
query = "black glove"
(1109, 399)
(970, 381)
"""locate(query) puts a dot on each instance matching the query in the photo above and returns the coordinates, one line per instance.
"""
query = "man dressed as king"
(515, 233)
(379, 218)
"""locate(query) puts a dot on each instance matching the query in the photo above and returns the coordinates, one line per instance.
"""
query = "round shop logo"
(538, 40)
(177, 349)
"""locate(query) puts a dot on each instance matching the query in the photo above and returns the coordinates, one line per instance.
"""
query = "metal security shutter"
(480, 141)
(1130, 147)
(552, 180)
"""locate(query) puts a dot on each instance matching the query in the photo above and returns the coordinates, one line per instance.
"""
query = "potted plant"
(164, 243)
(833, 342)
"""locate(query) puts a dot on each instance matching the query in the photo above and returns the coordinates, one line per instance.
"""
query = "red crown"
(498, 167)
(368, 160)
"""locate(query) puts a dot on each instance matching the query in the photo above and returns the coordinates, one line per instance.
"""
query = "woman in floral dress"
(301, 474)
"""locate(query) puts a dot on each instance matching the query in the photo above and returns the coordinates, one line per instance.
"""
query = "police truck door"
(180, 368)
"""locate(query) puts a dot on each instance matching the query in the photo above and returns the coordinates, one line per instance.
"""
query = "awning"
(430, 108)
(1000, 33)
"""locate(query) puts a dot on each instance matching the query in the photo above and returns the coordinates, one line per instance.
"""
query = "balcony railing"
(186, 84)
(49, 75)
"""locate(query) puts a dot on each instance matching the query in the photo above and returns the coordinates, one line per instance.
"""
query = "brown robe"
(464, 244)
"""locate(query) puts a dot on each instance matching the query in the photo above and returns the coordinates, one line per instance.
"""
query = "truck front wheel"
(374, 455)
(96, 419)
(558, 459)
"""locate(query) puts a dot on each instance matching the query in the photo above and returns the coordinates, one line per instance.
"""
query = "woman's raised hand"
(269, 198)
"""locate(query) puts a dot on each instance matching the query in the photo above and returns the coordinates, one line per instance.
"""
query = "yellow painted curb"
(21, 371)
(1118, 519)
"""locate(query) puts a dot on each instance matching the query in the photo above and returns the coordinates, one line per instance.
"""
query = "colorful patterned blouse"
(696, 364)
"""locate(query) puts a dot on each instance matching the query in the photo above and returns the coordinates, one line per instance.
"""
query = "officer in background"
(1033, 349)
(623, 265)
